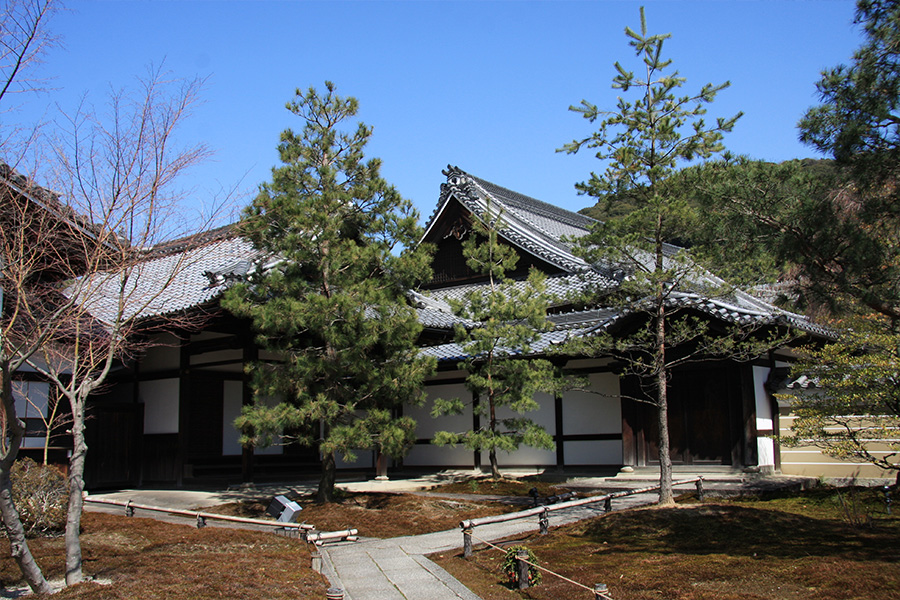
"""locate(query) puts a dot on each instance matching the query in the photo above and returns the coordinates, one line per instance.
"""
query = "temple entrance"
(705, 416)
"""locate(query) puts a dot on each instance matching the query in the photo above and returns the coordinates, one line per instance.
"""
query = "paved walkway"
(397, 569)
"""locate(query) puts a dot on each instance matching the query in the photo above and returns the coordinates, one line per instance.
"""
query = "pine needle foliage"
(329, 295)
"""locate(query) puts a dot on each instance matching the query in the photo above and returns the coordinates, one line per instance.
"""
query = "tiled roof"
(170, 283)
(195, 271)
(560, 287)
(454, 352)
(584, 323)
(535, 226)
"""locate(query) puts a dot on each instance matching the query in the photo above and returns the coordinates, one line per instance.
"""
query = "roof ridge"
(538, 206)
(193, 240)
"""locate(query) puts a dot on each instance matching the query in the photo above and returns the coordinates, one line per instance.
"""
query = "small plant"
(39, 493)
(473, 483)
(511, 569)
(853, 509)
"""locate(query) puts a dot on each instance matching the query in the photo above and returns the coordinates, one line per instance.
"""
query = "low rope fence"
(599, 590)
(202, 517)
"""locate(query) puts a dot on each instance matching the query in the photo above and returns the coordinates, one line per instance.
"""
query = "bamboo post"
(334, 594)
(129, 509)
(607, 505)
(544, 522)
(699, 485)
(522, 568)
(600, 591)
(316, 557)
(467, 542)
(201, 521)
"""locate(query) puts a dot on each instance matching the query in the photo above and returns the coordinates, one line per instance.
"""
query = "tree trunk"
(495, 468)
(74, 572)
(12, 523)
(666, 496)
(492, 454)
(326, 483)
(18, 545)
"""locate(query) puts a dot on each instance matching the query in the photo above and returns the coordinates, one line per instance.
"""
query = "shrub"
(39, 493)
(512, 571)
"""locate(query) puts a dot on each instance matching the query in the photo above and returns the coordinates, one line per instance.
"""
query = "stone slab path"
(397, 568)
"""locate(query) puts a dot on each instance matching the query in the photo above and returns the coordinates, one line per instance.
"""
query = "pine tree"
(858, 124)
(329, 295)
(509, 318)
(643, 142)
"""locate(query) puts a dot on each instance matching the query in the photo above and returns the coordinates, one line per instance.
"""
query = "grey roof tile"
(167, 284)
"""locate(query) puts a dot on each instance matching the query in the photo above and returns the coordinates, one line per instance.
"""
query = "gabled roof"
(531, 225)
(548, 232)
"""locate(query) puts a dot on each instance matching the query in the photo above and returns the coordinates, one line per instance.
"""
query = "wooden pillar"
(184, 393)
(558, 438)
(137, 461)
(522, 568)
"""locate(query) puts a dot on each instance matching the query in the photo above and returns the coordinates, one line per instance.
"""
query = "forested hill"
(614, 206)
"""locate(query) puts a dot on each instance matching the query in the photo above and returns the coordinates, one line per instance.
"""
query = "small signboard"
(284, 510)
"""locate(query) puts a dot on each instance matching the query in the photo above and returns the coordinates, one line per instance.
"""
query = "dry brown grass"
(801, 547)
(146, 559)
(378, 515)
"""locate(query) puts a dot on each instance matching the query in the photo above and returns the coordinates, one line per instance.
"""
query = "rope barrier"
(546, 570)
(469, 525)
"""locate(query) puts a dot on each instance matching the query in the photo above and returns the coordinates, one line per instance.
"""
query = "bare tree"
(34, 234)
(119, 171)
(23, 39)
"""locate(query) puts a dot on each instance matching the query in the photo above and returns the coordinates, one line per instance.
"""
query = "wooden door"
(113, 433)
(704, 413)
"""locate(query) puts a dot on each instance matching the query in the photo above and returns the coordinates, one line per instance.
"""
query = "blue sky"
(481, 85)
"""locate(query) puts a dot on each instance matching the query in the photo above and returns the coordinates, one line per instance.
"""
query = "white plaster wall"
(593, 452)
(31, 403)
(766, 450)
(596, 411)
(233, 395)
(235, 356)
(426, 425)
(526, 455)
(160, 398)
(764, 418)
(429, 455)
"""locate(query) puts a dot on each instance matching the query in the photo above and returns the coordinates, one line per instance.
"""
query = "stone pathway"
(397, 568)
